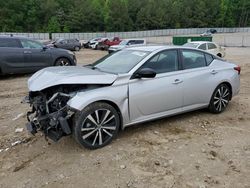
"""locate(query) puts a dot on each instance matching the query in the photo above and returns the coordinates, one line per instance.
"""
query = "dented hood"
(53, 76)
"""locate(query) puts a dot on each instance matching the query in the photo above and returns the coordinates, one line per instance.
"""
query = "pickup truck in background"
(105, 44)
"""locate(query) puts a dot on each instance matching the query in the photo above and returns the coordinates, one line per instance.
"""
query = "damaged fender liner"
(50, 114)
(54, 125)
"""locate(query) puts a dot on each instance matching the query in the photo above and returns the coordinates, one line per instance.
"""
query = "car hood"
(53, 76)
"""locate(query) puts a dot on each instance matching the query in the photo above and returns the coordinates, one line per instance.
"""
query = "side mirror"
(145, 73)
(44, 48)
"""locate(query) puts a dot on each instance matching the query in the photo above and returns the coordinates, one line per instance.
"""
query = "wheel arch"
(219, 55)
(113, 104)
(71, 63)
(230, 87)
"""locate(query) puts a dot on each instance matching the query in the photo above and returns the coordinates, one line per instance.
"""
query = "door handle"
(177, 81)
(214, 72)
(27, 52)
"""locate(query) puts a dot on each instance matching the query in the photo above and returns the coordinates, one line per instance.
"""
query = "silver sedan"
(128, 87)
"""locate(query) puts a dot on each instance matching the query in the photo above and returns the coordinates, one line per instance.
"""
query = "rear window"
(211, 46)
(203, 46)
(9, 42)
(193, 59)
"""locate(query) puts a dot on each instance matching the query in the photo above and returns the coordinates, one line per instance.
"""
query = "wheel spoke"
(108, 133)
(219, 92)
(100, 137)
(216, 98)
(226, 101)
(88, 129)
(223, 103)
(95, 138)
(97, 116)
(225, 92)
(92, 119)
(89, 134)
(222, 91)
(220, 106)
(105, 116)
(216, 102)
(109, 128)
(108, 120)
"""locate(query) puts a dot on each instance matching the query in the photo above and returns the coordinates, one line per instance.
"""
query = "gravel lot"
(196, 149)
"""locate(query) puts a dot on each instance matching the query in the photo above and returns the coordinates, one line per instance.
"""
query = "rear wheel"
(96, 125)
(62, 62)
(220, 99)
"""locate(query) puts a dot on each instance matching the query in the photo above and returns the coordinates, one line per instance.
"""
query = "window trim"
(178, 57)
(192, 50)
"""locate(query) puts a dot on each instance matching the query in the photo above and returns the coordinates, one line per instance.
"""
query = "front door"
(150, 97)
(35, 56)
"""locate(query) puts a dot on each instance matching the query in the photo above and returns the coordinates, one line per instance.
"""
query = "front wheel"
(62, 62)
(96, 125)
(220, 99)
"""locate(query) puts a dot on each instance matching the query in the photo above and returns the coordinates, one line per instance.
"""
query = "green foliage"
(120, 15)
(53, 25)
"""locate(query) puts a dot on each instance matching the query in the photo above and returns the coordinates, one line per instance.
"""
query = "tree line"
(120, 15)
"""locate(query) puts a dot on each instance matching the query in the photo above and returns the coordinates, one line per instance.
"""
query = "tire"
(77, 48)
(62, 62)
(96, 125)
(220, 99)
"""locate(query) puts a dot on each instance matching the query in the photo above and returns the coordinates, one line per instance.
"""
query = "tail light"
(237, 69)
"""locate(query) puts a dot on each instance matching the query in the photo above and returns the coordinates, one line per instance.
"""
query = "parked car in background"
(94, 44)
(211, 47)
(23, 55)
(128, 87)
(104, 45)
(127, 43)
(91, 42)
(68, 44)
(209, 33)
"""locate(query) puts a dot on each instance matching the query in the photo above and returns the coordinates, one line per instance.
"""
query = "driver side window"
(166, 61)
(28, 44)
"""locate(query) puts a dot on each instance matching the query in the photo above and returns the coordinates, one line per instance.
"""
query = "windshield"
(123, 43)
(191, 45)
(120, 62)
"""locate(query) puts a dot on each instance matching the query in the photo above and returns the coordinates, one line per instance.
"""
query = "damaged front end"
(50, 112)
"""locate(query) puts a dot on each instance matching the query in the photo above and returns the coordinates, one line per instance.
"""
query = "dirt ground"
(196, 149)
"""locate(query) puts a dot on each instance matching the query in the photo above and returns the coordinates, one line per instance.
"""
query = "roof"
(151, 48)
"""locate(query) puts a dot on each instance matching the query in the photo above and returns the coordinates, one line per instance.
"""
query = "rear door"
(198, 78)
(35, 56)
(11, 58)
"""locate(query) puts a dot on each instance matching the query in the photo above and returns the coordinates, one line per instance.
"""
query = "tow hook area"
(54, 125)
